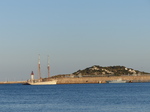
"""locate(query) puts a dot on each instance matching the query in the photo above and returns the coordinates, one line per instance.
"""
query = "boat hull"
(116, 81)
(43, 83)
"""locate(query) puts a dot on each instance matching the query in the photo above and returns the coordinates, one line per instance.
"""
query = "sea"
(124, 97)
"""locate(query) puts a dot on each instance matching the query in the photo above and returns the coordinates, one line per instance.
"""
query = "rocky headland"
(99, 71)
(99, 74)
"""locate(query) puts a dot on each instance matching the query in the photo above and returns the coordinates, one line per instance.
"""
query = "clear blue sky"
(75, 33)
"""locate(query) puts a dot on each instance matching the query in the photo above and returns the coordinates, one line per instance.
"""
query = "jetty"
(13, 82)
(94, 80)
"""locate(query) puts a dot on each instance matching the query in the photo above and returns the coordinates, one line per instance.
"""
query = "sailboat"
(41, 81)
(52, 82)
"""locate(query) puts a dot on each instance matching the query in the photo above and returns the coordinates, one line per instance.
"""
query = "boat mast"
(39, 67)
(48, 66)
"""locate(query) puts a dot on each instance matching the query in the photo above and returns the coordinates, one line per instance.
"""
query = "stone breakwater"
(13, 82)
(86, 80)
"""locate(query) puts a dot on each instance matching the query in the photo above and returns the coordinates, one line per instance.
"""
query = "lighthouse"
(32, 76)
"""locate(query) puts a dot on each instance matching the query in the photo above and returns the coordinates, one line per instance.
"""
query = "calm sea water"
(128, 97)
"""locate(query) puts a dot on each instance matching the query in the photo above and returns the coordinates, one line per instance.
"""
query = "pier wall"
(13, 82)
(84, 80)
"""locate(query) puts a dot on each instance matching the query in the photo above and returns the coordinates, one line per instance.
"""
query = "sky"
(76, 34)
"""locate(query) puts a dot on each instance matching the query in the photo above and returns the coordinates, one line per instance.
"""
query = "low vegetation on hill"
(99, 71)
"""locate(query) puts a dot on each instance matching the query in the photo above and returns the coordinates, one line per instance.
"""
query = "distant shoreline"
(94, 80)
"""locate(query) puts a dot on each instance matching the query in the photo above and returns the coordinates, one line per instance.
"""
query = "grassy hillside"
(99, 71)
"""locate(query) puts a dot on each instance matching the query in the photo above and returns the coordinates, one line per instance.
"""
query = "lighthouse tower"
(32, 76)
